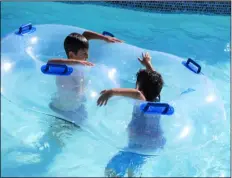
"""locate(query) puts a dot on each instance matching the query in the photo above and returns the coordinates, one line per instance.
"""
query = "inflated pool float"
(191, 109)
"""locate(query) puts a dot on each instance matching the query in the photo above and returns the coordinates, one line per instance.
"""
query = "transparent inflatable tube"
(199, 111)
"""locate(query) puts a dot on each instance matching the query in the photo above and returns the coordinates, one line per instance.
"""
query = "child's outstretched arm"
(127, 92)
(146, 61)
(89, 35)
(70, 62)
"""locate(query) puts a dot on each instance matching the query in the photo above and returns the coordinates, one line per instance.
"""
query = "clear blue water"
(34, 145)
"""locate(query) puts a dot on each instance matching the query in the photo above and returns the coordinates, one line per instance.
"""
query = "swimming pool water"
(35, 145)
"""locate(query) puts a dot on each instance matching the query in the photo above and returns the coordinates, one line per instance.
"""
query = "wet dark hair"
(150, 83)
(74, 42)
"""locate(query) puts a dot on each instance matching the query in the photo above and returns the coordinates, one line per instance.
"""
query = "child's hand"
(112, 40)
(146, 59)
(105, 96)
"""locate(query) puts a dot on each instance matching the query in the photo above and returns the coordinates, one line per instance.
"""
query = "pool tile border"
(165, 6)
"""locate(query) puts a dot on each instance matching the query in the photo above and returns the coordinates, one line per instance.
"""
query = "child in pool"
(144, 130)
(69, 98)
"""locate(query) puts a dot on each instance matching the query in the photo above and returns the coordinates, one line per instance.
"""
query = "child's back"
(144, 131)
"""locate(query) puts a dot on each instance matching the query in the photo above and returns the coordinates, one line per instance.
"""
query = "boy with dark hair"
(76, 47)
(69, 98)
(144, 129)
(148, 85)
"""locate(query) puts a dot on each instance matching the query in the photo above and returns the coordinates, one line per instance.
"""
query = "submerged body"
(144, 135)
(69, 100)
(144, 131)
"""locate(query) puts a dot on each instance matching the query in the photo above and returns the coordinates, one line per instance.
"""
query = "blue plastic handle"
(27, 28)
(56, 69)
(107, 33)
(196, 68)
(157, 108)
